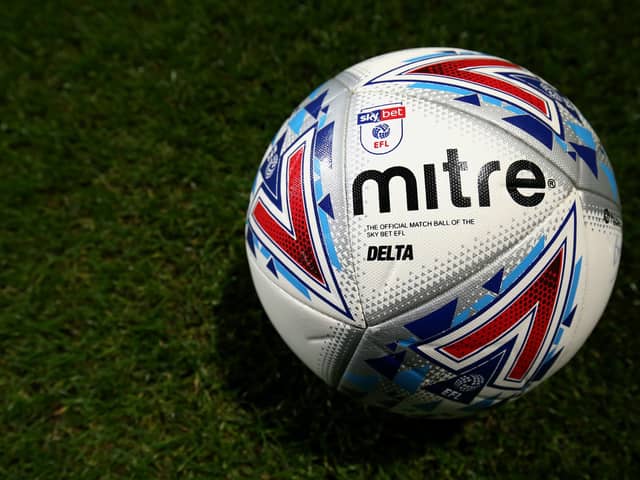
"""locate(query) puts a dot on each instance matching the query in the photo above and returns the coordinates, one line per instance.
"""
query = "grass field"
(131, 342)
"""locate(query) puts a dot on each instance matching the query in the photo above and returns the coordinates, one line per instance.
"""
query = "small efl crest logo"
(381, 127)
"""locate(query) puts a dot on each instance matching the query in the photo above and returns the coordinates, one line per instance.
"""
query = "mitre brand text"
(524, 182)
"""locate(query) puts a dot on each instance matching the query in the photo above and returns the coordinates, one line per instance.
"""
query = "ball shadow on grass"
(287, 397)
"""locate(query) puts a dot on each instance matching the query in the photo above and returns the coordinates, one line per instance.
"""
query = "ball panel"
(602, 237)
(296, 221)
(505, 93)
(437, 208)
(324, 344)
(400, 363)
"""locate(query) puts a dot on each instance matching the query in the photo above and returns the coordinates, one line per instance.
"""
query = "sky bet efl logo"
(381, 127)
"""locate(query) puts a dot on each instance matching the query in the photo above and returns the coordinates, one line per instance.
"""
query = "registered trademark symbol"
(551, 183)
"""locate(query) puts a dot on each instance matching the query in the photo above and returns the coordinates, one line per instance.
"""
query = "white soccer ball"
(434, 231)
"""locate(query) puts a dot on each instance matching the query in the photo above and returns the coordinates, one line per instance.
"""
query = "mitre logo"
(524, 180)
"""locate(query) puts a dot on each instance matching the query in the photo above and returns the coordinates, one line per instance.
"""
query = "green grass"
(131, 341)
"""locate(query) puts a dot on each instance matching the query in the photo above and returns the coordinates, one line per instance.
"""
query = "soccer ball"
(434, 231)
